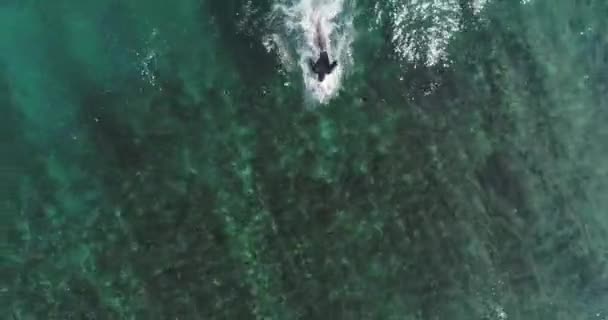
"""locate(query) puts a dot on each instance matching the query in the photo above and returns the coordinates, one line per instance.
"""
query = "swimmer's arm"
(333, 65)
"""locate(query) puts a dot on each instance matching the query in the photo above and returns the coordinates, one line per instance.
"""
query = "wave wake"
(301, 24)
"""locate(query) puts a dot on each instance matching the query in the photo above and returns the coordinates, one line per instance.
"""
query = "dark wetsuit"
(322, 66)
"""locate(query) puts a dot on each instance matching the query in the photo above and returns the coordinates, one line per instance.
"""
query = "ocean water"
(179, 160)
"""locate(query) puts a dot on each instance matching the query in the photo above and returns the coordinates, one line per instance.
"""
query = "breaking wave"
(421, 30)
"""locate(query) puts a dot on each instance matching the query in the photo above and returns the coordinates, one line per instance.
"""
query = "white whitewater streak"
(422, 29)
(275, 43)
(300, 19)
(478, 5)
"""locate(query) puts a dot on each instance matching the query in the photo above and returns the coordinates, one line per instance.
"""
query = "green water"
(157, 162)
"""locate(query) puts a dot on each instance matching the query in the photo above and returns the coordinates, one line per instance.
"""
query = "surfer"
(322, 67)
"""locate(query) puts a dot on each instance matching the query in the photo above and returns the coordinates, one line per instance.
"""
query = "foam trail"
(306, 23)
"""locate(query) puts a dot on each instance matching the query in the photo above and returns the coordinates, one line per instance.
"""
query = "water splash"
(422, 30)
(302, 23)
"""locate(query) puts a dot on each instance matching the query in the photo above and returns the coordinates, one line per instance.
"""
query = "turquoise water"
(174, 161)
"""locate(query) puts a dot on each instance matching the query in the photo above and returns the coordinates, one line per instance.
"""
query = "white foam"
(478, 5)
(299, 21)
(422, 30)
